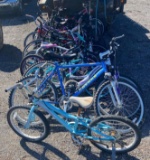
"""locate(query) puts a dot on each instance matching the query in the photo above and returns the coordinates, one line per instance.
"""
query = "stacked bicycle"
(77, 72)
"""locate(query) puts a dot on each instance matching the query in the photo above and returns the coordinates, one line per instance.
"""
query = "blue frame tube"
(54, 111)
(87, 83)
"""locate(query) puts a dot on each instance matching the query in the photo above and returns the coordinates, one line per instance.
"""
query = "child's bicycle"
(112, 134)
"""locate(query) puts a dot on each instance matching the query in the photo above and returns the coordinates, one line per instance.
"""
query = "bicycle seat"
(84, 102)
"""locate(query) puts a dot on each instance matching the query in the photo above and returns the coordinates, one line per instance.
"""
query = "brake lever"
(117, 44)
(119, 37)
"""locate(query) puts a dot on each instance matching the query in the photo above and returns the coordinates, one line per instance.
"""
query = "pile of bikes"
(64, 67)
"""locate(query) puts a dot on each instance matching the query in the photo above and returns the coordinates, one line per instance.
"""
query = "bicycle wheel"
(99, 29)
(30, 37)
(126, 134)
(20, 95)
(34, 45)
(29, 61)
(132, 105)
(47, 69)
(33, 132)
(130, 81)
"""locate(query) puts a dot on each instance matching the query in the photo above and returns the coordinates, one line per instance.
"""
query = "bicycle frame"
(84, 84)
(72, 126)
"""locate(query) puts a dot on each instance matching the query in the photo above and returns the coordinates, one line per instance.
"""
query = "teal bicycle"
(113, 134)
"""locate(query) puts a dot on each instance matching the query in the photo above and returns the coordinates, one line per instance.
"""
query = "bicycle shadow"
(10, 58)
(106, 156)
(44, 149)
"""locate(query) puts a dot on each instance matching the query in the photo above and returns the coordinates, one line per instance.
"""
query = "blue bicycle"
(109, 133)
(113, 96)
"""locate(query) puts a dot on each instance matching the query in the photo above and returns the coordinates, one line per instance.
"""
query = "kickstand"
(113, 156)
(84, 148)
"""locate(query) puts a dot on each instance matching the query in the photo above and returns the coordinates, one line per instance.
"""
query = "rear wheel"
(17, 119)
(32, 46)
(125, 133)
(19, 95)
(30, 37)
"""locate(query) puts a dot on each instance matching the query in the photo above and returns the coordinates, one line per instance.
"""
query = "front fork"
(31, 117)
(114, 96)
(114, 90)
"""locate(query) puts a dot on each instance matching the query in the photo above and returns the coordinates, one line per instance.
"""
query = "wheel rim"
(124, 135)
(132, 104)
(34, 131)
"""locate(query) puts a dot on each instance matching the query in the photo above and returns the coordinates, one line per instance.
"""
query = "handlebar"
(113, 47)
(113, 44)
(116, 38)
(16, 85)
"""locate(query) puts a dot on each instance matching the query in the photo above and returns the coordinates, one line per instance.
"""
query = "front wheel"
(132, 105)
(125, 133)
(17, 119)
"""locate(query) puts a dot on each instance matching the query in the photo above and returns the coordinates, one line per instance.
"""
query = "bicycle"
(114, 91)
(112, 134)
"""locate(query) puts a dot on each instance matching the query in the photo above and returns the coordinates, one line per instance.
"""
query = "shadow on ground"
(10, 58)
(133, 57)
(44, 148)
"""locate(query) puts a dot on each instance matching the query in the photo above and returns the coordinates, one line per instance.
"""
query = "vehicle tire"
(28, 61)
(1, 36)
(34, 133)
(121, 9)
(132, 102)
(125, 133)
(19, 10)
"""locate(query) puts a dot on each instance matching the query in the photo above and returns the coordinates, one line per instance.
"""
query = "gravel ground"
(133, 59)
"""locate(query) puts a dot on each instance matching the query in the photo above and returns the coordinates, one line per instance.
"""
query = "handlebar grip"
(119, 37)
(30, 16)
(16, 85)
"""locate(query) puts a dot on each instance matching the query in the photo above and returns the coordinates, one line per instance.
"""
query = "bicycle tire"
(128, 80)
(103, 101)
(32, 46)
(118, 127)
(32, 36)
(19, 96)
(28, 61)
(18, 126)
(100, 28)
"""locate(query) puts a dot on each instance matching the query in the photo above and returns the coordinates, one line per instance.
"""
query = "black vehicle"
(11, 6)
(1, 36)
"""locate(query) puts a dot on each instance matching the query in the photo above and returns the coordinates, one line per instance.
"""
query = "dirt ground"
(133, 60)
